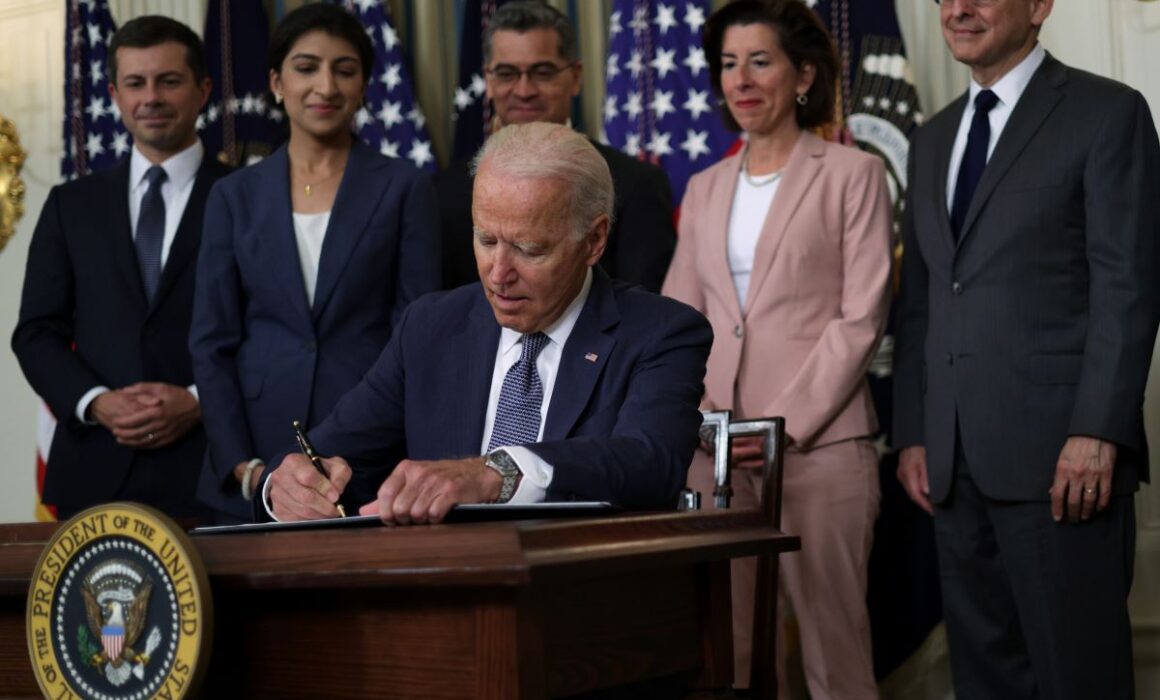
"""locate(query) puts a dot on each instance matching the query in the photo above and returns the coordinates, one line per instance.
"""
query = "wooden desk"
(525, 609)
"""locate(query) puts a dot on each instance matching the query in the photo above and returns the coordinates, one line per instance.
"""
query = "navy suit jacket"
(1039, 322)
(623, 421)
(85, 322)
(263, 356)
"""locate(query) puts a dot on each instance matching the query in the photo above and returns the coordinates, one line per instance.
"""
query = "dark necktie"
(151, 231)
(517, 415)
(974, 159)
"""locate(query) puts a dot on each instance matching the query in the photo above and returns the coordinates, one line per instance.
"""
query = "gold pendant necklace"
(308, 189)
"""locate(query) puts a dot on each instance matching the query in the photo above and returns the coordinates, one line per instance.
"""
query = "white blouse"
(309, 232)
(746, 219)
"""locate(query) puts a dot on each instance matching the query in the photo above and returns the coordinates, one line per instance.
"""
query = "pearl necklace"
(760, 180)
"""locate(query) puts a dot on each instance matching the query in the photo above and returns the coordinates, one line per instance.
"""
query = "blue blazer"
(262, 355)
(623, 421)
(85, 322)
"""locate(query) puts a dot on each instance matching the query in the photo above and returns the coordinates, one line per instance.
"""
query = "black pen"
(308, 450)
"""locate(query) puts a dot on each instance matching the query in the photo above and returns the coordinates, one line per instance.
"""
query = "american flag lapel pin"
(591, 357)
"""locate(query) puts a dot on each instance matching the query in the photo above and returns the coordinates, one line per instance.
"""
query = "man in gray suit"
(1027, 320)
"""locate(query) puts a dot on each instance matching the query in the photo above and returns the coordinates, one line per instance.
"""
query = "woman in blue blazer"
(308, 259)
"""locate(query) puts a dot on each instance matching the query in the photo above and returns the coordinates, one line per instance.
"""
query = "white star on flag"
(666, 18)
(420, 152)
(391, 113)
(478, 86)
(697, 103)
(612, 68)
(633, 105)
(96, 72)
(96, 108)
(248, 105)
(389, 149)
(694, 144)
(632, 145)
(614, 24)
(902, 107)
(659, 144)
(634, 64)
(93, 146)
(463, 98)
(94, 34)
(390, 38)
(391, 77)
(417, 118)
(694, 17)
(662, 104)
(610, 109)
(639, 21)
(364, 5)
(664, 63)
(362, 117)
(695, 61)
(121, 143)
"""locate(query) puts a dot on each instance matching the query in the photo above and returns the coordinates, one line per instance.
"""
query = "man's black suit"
(1037, 324)
(85, 322)
(640, 243)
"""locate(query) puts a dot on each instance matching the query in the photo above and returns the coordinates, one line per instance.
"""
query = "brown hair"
(804, 40)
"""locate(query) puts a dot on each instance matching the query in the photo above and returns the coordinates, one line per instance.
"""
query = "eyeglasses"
(541, 73)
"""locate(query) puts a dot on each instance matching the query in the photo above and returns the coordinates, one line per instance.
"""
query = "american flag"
(472, 113)
(94, 137)
(237, 125)
(391, 120)
(658, 105)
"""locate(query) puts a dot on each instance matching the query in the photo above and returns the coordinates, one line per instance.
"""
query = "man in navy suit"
(533, 73)
(1028, 314)
(104, 316)
(570, 386)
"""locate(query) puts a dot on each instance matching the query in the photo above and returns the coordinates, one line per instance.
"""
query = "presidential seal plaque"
(119, 608)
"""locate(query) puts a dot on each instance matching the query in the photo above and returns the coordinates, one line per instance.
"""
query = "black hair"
(150, 30)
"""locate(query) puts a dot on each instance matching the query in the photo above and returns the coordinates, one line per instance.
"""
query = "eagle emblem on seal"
(116, 595)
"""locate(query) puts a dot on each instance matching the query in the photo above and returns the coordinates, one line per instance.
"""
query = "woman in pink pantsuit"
(785, 247)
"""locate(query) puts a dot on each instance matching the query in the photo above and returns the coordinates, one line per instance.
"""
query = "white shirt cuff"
(83, 404)
(537, 473)
(266, 500)
(192, 388)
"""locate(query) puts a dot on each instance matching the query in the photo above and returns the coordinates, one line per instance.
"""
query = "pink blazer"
(818, 296)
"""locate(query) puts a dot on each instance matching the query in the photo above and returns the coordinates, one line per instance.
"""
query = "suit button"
(737, 331)
(956, 289)
(950, 359)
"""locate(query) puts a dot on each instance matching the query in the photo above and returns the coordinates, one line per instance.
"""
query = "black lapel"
(115, 196)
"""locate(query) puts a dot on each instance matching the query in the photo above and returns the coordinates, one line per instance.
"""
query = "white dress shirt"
(537, 473)
(309, 233)
(180, 173)
(1008, 89)
(746, 220)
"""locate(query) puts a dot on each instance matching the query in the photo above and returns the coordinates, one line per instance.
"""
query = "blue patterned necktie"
(151, 231)
(974, 160)
(517, 415)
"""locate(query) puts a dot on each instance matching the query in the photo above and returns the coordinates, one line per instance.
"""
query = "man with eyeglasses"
(532, 72)
(1028, 314)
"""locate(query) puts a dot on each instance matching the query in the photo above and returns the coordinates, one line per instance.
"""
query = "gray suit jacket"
(1039, 323)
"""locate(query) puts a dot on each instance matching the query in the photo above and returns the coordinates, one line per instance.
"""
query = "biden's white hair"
(543, 150)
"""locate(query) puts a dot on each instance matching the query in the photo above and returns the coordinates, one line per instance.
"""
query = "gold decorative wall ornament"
(11, 186)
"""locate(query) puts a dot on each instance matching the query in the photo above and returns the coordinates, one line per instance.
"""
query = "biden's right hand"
(299, 492)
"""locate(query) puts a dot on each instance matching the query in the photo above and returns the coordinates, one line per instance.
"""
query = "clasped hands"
(146, 415)
(1082, 485)
(415, 492)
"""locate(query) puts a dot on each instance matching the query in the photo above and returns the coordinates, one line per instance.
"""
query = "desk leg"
(763, 670)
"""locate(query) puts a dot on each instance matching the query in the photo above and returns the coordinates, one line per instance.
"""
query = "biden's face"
(530, 262)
